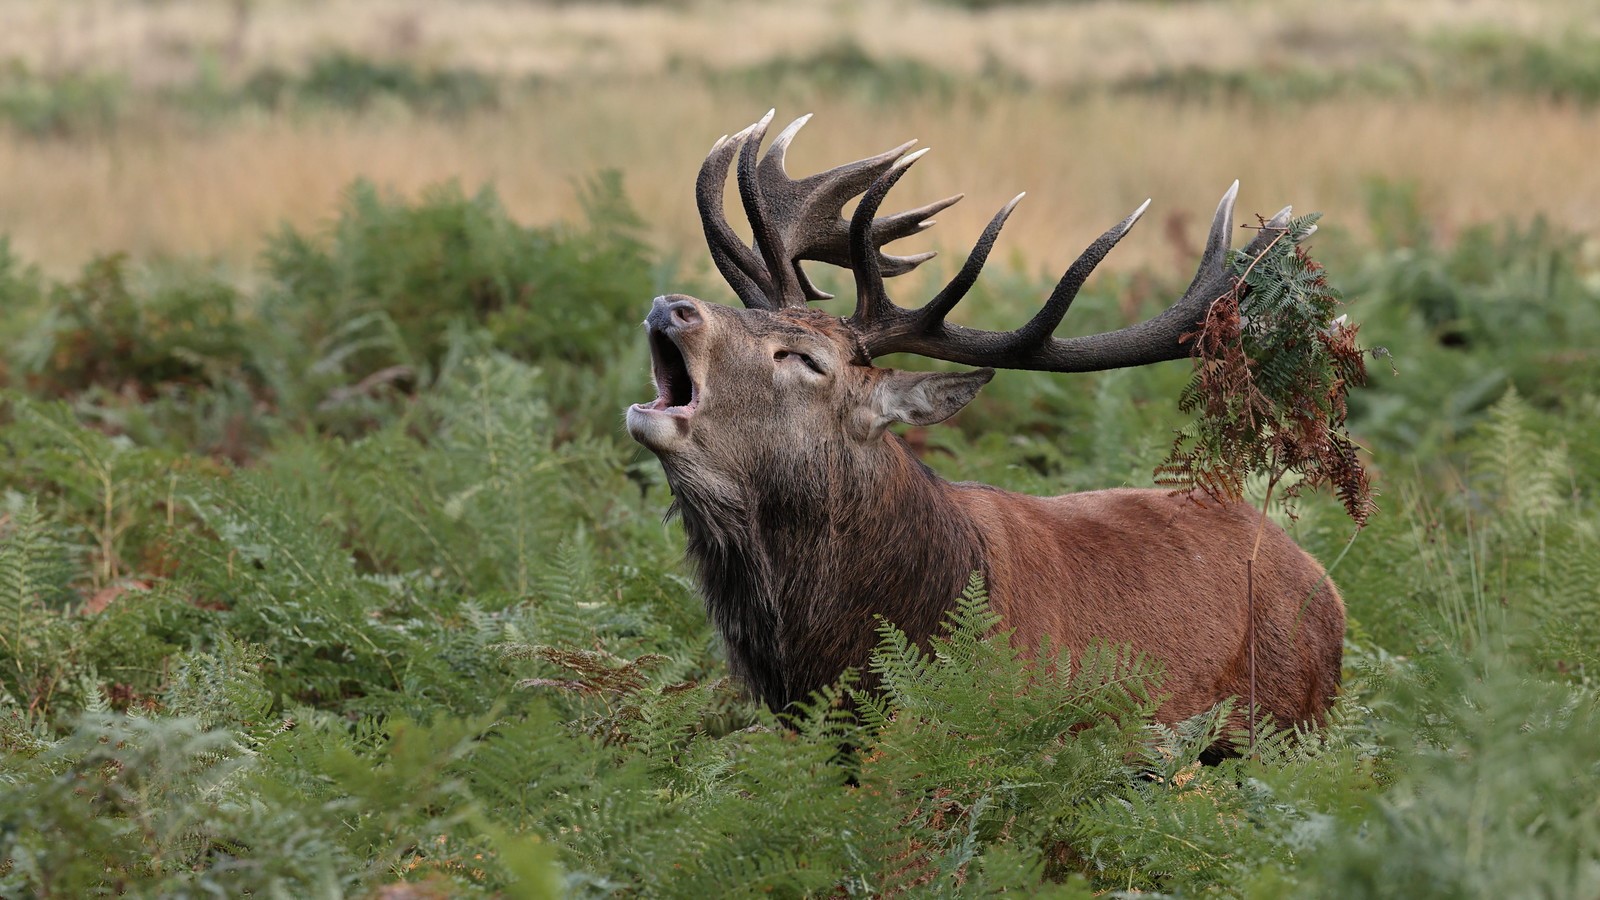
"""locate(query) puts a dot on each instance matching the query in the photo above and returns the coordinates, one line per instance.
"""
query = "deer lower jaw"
(663, 423)
(660, 427)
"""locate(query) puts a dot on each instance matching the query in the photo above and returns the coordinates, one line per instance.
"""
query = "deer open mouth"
(676, 392)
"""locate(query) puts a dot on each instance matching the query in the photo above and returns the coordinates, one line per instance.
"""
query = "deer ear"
(920, 398)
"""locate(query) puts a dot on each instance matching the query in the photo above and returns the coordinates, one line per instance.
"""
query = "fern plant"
(294, 669)
(35, 649)
(1273, 369)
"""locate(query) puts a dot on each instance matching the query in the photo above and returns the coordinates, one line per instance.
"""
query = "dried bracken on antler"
(1273, 369)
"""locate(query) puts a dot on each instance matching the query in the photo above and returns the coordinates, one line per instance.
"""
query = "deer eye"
(811, 364)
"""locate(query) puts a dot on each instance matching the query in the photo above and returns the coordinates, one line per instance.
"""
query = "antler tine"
(904, 224)
(780, 145)
(1154, 340)
(794, 220)
(1044, 322)
(874, 309)
(1159, 338)
(739, 266)
(1211, 279)
(785, 285)
(931, 317)
(807, 212)
(929, 320)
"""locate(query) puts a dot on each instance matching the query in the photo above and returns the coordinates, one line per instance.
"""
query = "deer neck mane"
(795, 562)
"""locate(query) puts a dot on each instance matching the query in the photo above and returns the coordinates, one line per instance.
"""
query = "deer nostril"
(684, 314)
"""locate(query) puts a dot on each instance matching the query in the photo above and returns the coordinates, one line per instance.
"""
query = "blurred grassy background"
(188, 128)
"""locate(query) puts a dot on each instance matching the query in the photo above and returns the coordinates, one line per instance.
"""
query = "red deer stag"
(806, 517)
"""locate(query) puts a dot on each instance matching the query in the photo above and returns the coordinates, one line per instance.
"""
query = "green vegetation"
(1471, 64)
(846, 69)
(345, 81)
(1454, 64)
(1272, 393)
(72, 103)
(350, 578)
(58, 106)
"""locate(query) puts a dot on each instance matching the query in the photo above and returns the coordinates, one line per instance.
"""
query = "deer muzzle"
(664, 422)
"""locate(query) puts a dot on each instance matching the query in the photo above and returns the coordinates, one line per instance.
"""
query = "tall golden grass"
(166, 189)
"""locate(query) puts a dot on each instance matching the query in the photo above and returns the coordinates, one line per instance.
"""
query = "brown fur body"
(1166, 575)
(807, 519)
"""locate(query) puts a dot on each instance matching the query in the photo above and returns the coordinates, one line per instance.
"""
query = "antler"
(882, 327)
(794, 220)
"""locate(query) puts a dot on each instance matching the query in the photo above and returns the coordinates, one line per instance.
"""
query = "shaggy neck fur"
(798, 554)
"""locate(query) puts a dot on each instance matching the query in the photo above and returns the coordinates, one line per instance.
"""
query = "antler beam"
(884, 327)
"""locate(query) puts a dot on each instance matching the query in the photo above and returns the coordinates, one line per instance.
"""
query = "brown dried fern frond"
(1272, 375)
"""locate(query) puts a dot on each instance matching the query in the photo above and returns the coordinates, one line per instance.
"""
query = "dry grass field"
(163, 191)
(626, 87)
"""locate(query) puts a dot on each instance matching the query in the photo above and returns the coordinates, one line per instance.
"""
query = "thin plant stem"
(1250, 596)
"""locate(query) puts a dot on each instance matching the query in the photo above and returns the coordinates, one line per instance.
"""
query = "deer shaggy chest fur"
(807, 518)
